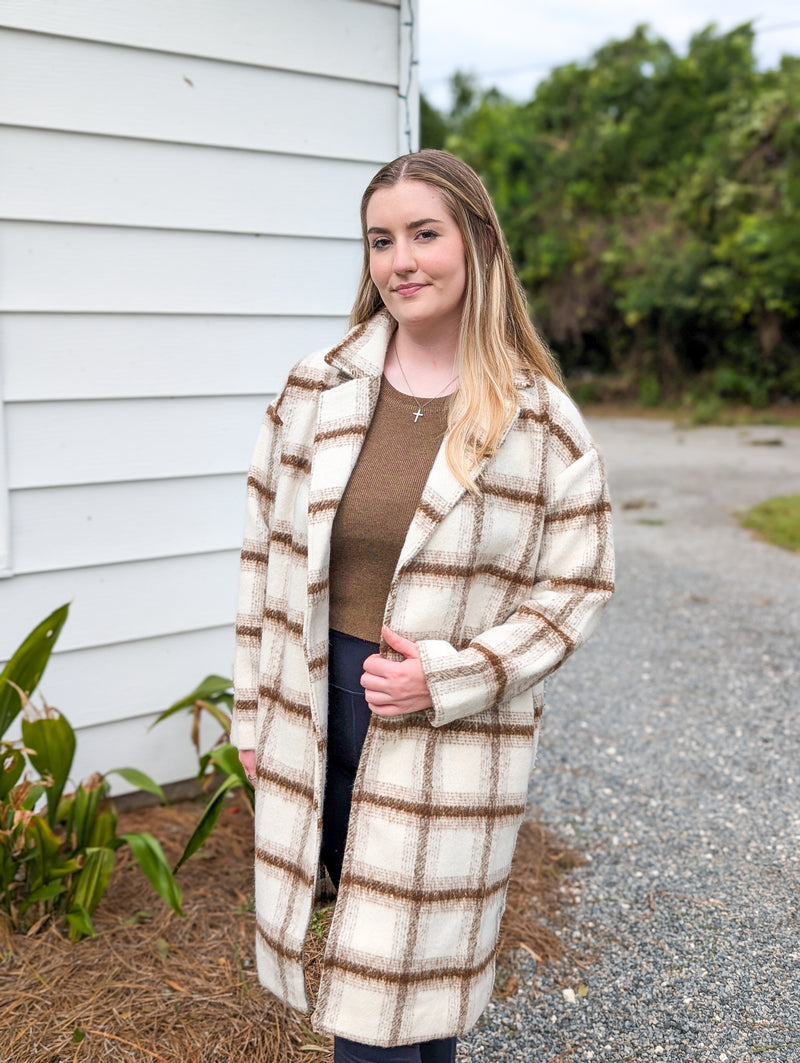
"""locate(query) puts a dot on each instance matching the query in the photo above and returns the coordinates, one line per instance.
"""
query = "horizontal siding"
(165, 670)
(56, 83)
(166, 754)
(103, 180)
(179, 189)
(53, 444)
(98, 356)
(89, 269)
(346, 39)
(99, 524)
(124, 603)
(5, 526)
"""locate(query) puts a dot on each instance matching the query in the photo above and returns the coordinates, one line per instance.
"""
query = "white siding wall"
(179, 187)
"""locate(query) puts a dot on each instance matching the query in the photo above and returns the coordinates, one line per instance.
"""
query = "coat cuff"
(460, 683)
(243, 728)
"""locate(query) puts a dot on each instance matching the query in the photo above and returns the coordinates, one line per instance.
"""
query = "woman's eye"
(379, 243)
(427, 234)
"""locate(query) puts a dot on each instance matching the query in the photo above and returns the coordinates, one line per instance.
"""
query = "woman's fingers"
(398, 643)
(375, 665)
(395, 687)
(247, 758)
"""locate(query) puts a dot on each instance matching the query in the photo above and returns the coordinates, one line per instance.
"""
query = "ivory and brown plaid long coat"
(497, 588)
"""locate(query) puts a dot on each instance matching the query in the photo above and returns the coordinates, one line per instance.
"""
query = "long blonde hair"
(496, 336)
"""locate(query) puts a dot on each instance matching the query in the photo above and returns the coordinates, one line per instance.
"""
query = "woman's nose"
(404, 259)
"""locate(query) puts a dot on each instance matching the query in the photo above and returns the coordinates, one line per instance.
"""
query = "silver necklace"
(420, 405)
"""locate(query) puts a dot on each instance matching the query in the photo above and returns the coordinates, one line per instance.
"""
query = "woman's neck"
(421, 366)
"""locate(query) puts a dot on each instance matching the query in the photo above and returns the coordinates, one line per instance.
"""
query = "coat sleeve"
(261, 483)
(574, 580)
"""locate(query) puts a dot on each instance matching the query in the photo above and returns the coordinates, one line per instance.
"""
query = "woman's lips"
(409, 289)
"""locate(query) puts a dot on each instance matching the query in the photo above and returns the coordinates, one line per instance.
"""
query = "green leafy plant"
(58, 848)
(214, 697)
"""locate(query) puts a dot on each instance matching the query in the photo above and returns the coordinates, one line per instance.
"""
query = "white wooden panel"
(166, 754)
(50, 176)
(56, 83)
(5, 528)
(105, 523)
(122, 603)
(79, 268)
(134, 678)
(51, 444)
(74, 356)
(337, 37)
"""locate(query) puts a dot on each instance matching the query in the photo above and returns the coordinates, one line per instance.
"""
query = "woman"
(427, 538)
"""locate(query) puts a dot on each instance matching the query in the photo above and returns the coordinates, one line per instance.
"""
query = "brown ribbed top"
(377, 507)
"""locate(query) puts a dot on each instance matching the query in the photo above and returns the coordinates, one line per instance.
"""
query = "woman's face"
(416, 256)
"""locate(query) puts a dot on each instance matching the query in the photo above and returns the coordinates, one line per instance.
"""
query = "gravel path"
(671, 757)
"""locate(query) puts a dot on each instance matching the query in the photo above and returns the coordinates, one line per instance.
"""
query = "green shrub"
(650, 391)
(735, 386)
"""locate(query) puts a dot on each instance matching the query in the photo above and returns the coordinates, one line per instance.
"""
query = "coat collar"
(360, 357)
(362, 352)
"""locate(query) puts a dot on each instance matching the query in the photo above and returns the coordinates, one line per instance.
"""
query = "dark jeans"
(348, 720)
(345, 1051)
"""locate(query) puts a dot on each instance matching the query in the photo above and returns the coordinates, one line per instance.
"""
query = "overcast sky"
(514, 43)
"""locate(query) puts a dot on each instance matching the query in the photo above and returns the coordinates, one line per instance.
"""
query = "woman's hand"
(247, 758)
(395, 687)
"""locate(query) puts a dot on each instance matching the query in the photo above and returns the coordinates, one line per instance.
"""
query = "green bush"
(649, 199)
(650, 391)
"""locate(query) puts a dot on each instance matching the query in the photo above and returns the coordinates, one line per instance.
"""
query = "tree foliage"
(650, 202)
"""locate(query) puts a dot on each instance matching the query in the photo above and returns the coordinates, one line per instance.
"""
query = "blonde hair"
(497, 336)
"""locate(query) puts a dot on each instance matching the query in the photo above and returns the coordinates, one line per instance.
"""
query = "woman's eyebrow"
(411, 225)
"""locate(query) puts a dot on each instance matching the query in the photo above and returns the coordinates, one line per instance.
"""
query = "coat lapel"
(344, 413)
(442, 492)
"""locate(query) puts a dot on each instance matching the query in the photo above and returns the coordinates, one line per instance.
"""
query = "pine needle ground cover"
(154, 987)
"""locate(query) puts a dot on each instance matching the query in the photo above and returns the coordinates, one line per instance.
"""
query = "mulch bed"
(155, 987)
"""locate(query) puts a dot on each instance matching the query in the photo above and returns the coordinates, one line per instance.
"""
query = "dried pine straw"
(155, 988)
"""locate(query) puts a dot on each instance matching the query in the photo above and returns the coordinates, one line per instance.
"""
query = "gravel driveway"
(671, 757)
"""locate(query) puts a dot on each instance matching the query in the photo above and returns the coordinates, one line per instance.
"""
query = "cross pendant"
(417, 415)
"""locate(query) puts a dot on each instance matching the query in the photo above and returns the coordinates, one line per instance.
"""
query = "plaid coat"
(496, 589)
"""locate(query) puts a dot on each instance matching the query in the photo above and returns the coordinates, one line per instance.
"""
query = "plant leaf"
(213, 686)
(227, 759)
(42, 852)
(103, 832)
(80, 924)
(82, 814)
(12, 765)
(207, 821)
(43, 893)
(52, 744)
(152, 861)
(222, 717)
(141, 781)
(91, 882)
(26, 665)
